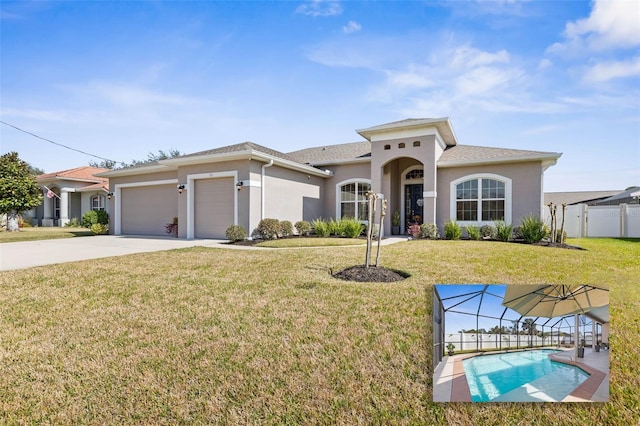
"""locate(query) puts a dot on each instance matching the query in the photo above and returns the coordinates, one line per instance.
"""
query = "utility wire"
(56, 143)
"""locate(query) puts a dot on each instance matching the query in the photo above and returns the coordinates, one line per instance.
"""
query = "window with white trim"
(97, 202)
(482, 199)
(353, 200)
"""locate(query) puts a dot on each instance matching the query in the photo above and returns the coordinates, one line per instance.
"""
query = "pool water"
(520, 377)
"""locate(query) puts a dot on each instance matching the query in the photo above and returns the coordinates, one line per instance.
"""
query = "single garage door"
(213, 207)
(147, 209)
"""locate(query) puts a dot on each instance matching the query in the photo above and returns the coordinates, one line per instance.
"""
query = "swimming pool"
(520, 377)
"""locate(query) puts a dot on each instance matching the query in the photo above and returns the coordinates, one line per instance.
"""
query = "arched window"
(415, 174)
(416, 144)
(481, 198)
(401, 145)
(387, 147)
(352, 199)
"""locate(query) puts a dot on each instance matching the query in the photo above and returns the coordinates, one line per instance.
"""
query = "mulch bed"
(371, 274)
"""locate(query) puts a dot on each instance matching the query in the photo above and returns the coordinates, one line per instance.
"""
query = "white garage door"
(146, 210)
(213, 207)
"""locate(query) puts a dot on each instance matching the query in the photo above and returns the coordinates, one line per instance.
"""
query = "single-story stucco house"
(416, 164)
(68, 194)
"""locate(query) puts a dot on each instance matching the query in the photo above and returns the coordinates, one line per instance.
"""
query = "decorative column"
(64, 207)
(47, 218)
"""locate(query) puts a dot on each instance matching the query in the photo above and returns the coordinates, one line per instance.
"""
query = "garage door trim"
(118, 198)
(191, 197)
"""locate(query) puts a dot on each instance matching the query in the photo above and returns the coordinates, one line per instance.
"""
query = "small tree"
(19, 191)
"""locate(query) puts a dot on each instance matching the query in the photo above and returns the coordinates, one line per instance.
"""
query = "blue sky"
(122, 79)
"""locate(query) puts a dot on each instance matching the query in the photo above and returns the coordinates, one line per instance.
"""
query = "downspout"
(262, 198)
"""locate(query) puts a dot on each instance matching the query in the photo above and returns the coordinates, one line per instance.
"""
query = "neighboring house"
(628, 196)
(69, 194)
(589, 198)
(416, 164)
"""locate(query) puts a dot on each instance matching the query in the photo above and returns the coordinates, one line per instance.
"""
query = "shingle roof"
(240, 147)
(454, 154)
(328, 153)
(576, 197)
(471, 153)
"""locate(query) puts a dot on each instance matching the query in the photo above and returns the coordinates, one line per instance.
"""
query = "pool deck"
(450, 382)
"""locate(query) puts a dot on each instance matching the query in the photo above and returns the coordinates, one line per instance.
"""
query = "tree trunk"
(383, 212)
(12, 222)
(564, 213)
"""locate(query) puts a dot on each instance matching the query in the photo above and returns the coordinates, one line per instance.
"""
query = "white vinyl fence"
(584, 221)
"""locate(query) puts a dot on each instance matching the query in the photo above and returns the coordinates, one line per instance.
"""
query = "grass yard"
(205, 335)
(43, 233)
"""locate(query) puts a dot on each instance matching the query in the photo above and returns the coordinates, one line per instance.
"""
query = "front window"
(481, 199)
(353, 200)
(97, 202)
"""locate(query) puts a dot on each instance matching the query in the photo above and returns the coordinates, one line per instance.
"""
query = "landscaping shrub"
(73, 223)
(489, 232)
(286, 228)
(532, 229)
(473, 232)
(303, 227)
(269, 229)
(95, 216)
(351, 227)
(335, 227)
(321, 228)
(429, 231)
(516, 233)
(236, 233)
(452, 231)
(503, 231)
(99, 229)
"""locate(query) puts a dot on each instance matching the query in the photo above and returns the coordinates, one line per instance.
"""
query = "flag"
(50, 194)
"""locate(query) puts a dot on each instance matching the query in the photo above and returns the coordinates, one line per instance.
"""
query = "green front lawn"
(204, 335)
(42, 233)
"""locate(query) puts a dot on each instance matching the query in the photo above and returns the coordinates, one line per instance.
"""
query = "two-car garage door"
(145, 210)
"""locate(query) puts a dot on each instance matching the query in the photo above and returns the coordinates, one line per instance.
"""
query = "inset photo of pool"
(520, 343)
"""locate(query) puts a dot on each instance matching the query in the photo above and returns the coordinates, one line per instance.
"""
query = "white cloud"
(320, 8)
(611, 25)
(351, 27)
(466, 57)
(605, 71)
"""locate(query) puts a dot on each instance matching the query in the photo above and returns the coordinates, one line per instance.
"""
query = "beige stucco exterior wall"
(526, 188)
(292, 195)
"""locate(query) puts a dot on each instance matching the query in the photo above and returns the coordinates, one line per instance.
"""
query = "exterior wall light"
(239, 185)
(110, 195)
(180, 188)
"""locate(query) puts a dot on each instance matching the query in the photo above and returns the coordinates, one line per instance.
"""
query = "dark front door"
(413, 204)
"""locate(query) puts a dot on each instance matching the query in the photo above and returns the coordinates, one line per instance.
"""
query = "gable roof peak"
(442, 125)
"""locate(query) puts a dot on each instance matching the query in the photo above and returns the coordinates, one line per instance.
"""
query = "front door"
(413, 203)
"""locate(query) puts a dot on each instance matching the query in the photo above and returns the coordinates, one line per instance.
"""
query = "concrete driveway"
(26, 254)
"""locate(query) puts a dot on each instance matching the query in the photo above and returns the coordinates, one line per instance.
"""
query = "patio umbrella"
(553, 300)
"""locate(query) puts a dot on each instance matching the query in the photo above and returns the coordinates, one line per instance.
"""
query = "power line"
(56, 143)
